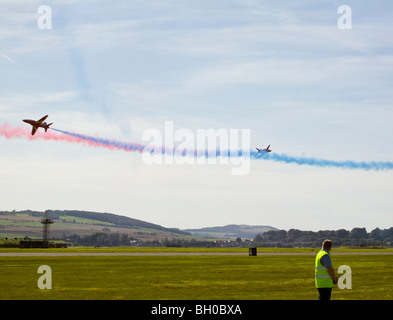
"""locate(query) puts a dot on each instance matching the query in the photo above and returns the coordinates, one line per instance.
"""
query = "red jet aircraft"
(264, 150)
(38, 124)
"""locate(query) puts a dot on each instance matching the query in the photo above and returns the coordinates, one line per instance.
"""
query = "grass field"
(189, 277)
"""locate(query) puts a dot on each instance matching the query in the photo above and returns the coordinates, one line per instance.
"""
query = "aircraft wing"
(42, 119)
(33, 130)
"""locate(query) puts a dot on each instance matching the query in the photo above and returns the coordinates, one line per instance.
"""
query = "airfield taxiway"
(113, 254)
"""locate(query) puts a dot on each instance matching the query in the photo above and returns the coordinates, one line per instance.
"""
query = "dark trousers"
(324, 294)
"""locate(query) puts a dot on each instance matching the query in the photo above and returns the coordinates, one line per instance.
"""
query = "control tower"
(46, 222)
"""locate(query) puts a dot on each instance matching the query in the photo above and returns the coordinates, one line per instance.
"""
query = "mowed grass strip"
(190, 277)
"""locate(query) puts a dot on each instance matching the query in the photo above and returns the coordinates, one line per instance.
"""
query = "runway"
(153, 254)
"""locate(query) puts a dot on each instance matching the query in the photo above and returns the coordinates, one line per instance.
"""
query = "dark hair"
(327, 243)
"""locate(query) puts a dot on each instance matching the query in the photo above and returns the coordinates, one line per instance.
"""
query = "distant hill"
(74, 222)
(114, 219)
(230, 231)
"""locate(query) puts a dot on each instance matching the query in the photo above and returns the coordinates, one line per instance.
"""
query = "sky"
(284, 70)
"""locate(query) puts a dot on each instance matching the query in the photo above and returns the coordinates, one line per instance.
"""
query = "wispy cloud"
(25, 102)
(335, 72)
(6, 57)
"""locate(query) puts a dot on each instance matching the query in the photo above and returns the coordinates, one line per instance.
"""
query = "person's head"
(327, 244)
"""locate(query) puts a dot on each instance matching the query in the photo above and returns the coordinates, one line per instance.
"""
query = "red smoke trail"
(22, 132)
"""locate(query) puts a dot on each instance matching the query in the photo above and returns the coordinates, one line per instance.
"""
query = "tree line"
(107, 239)
(297, 238)
(103, 239)
(357, 237)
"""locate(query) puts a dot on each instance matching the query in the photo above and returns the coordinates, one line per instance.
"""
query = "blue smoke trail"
(347, 164)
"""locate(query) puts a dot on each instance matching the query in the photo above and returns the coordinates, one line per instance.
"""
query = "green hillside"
(73, 222)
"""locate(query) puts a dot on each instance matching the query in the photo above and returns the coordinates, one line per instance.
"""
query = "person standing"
(325, 278)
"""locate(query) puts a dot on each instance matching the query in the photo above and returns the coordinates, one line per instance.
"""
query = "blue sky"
(282, 69)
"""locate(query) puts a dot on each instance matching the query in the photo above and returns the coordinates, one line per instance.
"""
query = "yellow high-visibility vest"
(322, 276)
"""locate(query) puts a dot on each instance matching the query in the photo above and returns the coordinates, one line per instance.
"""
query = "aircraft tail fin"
(48, 126)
